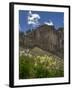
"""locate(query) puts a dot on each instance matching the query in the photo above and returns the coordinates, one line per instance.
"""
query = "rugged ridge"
(45, 37)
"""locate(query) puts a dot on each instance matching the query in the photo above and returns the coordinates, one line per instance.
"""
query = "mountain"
(45, 37)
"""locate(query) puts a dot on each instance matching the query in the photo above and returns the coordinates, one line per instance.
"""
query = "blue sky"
(56, 17)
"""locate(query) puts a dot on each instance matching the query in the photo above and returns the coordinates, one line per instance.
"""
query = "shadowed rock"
(45, 37)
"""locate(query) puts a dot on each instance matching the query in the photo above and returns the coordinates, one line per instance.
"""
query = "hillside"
(41, 53)
(38, 63)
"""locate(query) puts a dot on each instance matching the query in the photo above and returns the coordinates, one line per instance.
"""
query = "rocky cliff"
(44, 37)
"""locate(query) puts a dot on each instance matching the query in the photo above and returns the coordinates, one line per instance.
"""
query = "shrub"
(40, 67)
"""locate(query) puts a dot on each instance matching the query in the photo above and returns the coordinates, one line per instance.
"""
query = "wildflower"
(29, 55)
(35, 64)
(38, 57)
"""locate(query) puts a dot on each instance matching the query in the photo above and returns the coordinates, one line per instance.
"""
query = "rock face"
(46, 38)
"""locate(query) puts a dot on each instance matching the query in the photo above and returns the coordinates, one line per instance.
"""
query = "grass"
(40, 66)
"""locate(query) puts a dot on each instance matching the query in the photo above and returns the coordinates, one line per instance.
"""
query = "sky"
(57, 19)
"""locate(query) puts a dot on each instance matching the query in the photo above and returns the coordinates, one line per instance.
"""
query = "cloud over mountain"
(33, 18)
(49, 23)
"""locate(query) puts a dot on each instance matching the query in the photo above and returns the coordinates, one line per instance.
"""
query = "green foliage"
(25, 67)
(40, 67)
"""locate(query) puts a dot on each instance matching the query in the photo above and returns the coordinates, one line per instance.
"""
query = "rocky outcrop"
(46, 38)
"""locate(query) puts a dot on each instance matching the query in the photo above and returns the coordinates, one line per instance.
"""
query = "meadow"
(40, 66)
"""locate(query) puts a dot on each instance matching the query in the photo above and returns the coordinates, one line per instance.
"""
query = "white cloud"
(33, 18)
(49, 23)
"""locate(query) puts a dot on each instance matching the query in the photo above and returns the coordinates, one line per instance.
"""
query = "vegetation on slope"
(40, 65)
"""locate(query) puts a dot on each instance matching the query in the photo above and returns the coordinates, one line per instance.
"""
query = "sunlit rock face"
(45, 37)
